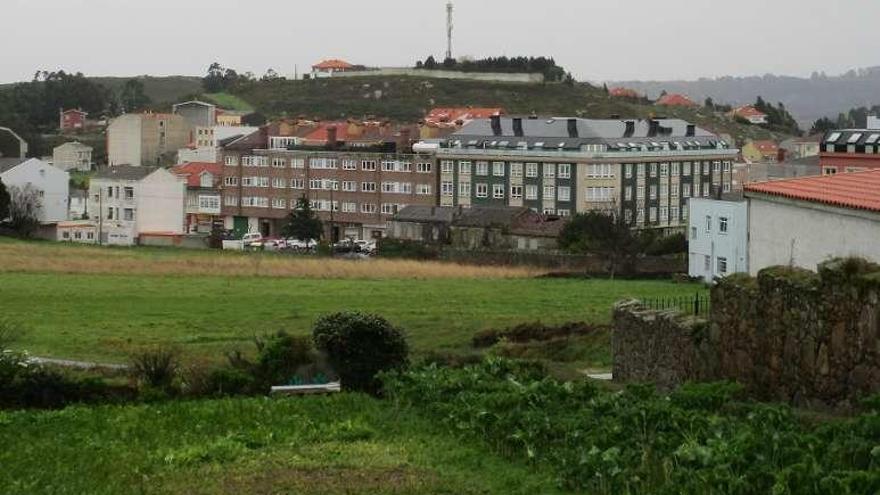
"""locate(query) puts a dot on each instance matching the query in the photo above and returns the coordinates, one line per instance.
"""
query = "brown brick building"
(356, 176)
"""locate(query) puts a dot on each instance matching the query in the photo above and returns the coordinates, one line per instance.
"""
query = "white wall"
(51, 181)
(124, 140)
(711, 244)
(806, 234)
(160, 203)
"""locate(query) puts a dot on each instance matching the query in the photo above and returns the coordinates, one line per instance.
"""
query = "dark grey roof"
(9, 163)
(421, 213)
(489, 216)
(553, 133)
(870, 137)
(124, 172)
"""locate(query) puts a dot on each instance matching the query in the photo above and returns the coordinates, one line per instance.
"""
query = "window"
(653, 170)
(423, 168)
(684, 212)
(348, 164)
(279, 203)
(128, 193)
(600, 171)
(673, 212)
(109, 191)
(348, 207)
(673, 191)
(516, 192)
(686, 190)
(531, 169)
(628, 216)
(549, 193)
(722, 225)
(368, 165)
(707, 262)
(564, 193)
(708, 223)
(369, 187)
(316, 184)
(464, 189)
(705, 168)
(652, 214)
(640, 170)
(230, 181)
(686, 169)
(349, 186)
(446, 188)
(388, 166)
(516, 169)
(549, 171)
(652, 191)
(297, 183)
(563, 171)
(482, 168)
(279, 183)
(532, 192)
(279, 162)
(230, 161)
(727, 166)
(255, 201)
(498, 169)
(498, 191)
(705, 189)
(423, 189)
(464, 168)
(675, 169)
(628, 193)
(128, 214)
(563, 212)
(446, 166)
(664, 170)
(230, 201)
(640, 192)
(664, 214)
(298, 163)
(628, 170)
(716, 166)
(482, 190)
(323, 163)
(389, 208)
(368, 208)
(722, 265)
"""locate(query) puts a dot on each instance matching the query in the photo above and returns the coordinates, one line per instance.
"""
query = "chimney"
(572, 128)
(691, 130)
(630, 128)
(517, 126)
(653, 127)
(331, 136)
(496, 125)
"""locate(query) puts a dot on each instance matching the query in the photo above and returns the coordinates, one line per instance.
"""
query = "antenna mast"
(449, 9)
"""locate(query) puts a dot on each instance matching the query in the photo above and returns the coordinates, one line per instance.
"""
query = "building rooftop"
(624, 93)
(193, 171)
(856, 190)
(675, 100)
(333, 64)
(857, 137)
(10, 163)
(460, 115)
(748, 111)
(766, 146)
(124, 172)
(423, 213)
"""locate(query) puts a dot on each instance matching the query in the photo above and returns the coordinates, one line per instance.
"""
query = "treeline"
(778, 117)
(544, 65)
(221, 79)
(855, 118)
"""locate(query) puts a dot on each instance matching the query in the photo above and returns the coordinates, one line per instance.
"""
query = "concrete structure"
(146, 138)
(22, 144)
(126, 201)
(850, 150)
(428, 224)
(197, 113)
(73, 119)
(51, 184)
(72, 156)
(805, 221)
(202, 195)
(644, 170)
(717, 238)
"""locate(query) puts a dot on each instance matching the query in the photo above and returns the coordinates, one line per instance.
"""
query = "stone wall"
(791, 335)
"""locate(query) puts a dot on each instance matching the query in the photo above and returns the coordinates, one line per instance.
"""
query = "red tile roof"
(193, 171)
(75, 110)
(857, 190)
(624, 93)
(749, 111)
(676, 100)
(463, 114)
(334, 64)
(766, 146)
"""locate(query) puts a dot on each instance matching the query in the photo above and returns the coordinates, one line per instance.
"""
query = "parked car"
(299, 245)
(252, 238)
(274, 244)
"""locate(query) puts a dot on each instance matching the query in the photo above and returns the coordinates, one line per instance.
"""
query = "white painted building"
(206, 143)
(136, 200)
(717, 238)
(72, 156)
(52, 185)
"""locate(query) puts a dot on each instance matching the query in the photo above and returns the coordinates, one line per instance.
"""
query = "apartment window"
(406, 188)
(673, 214)
(652, 214)
(279, 183)
(564, 170)
(390, 187)
(673, 191)
(563, 212)
(423, 168)
(652, 191)
(482, 168)
(298, 163)
(628, 216)
(705, 168)
(388, 165)
(423, 189)
(516, 169)
(686, 190)
(446, 166)
(316, 184)
(464, 189)
(549, 171)
(708, 223)
(389, 208)
(722, 225)
(705, 189)
(653, 170)
(640, 192)
(349, 164)
(664, 214)
(600, 194)
(628, 170)
(600, 171)
(297, 183)
(128, 193)
(498, 191)
(369, 187)
(727, 166)
(531, 170)
(722, 265)
(640, 216)
(640, 170)
(628, 193)
(109, 191)
(726, 187)
(707, 262)
(323, 163)
(348, 207)
(686, 169)
(675, 169)
(446, 188)
(349, 186)
(368, 165)
(564, 193)
(549, 193)
(549, 211)
(368, 208)
(279, 162)
(664, 170)
(230, 160)
(684, 212)
(482, 190)
(128, 214)
(516, 192)
(464, 168)
(498, 169)
(279, 203)
(716, 166)
(230, 181)
(230, 200)
(531, 192)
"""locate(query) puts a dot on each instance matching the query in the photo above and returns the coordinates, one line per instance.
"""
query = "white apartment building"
(52, 186)
(717, 238)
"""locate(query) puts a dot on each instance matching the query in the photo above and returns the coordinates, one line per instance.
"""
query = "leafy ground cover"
(229, 101)
(349, 444)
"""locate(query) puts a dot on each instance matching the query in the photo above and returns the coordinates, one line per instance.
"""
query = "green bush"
(280, 357)
(359, 346)
(402, 248)
(156, 369)
(230, 381)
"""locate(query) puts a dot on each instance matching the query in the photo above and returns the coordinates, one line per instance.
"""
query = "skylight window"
(562, 144)
(539, 144)
(833, 137)
(872, 139)
(854, 138)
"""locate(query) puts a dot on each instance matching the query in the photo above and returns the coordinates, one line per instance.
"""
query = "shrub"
(359, 346)
(280, 356)
(530, 332)
(402, 248)
(155, 368)
(230, 381)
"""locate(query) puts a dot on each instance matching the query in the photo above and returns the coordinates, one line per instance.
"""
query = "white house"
(717, 238)
(52, 185)
(135, 200)
(72, 155)
(805, 221)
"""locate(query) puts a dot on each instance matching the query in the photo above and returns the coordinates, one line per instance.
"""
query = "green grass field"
(105, 317)
(349, 444)
(229, 101)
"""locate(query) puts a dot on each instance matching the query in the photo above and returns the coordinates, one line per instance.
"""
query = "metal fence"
(697, 305)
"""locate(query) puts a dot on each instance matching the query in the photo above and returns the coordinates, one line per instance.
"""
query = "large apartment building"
(146, 138)
(355, 175)
(850, 150)
(646, 170)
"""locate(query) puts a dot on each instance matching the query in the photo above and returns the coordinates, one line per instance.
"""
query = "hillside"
(807, 98)
(408, 98)
(170, 89)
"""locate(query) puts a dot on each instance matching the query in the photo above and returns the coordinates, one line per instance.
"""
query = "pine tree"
(302, 223)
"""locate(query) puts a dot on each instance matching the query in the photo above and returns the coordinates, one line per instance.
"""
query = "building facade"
(72, 156)
(643, 170)
(197, 113)
(146, 139)
(717, 238)
(850, 150)
(203, 200)
(52, 186)
(761, 152)
(72, 120)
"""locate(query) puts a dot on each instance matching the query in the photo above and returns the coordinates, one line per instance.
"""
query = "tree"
(215, 81)
(132, 96)
(302, 223)
(4, 201)
(710, 104)
(604, 234)
(24, 209)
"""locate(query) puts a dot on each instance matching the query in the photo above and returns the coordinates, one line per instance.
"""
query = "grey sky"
(597, 40)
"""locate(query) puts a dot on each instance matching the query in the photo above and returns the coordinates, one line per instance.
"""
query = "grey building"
(197, 113)
(72, 156)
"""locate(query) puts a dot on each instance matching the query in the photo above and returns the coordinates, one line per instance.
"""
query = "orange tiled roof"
(193, 170)
(464, 114)
(857, 190)
(676, 100)
(749, 111)
(624, 93)
(766, 146)
(334, 64)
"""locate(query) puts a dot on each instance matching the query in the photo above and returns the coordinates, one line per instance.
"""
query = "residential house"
(807, 220)
(760, 151)
(356, 175)
(644, 170)
(850, 150)
(750, 114)
(442, 121)
(202, 195)
(229, 118)
(146, 138)
(624, 93)
(422, 223)
(801, 147)
(675, 100)
(51, 184)
(197, 113)
(205, 146)
(127, 201)
(504, 228)
(327, 68)
(717, 238)
(72, 155)
(72, 119)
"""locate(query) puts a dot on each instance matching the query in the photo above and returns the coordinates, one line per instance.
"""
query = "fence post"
(697, 304)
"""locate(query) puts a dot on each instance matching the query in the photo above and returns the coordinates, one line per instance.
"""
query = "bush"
(401, 248)
(155, 369)
(530, 332)
(280, 357)
(230, 381)
(359, 346)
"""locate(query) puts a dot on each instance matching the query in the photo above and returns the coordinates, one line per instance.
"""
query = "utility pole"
(100, 215)
(449, 9)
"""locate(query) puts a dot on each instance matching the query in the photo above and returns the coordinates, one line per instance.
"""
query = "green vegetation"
(347, 444)
(696, 441)
(228, 101)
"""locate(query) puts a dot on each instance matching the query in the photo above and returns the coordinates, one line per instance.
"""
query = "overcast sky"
(596, 39)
